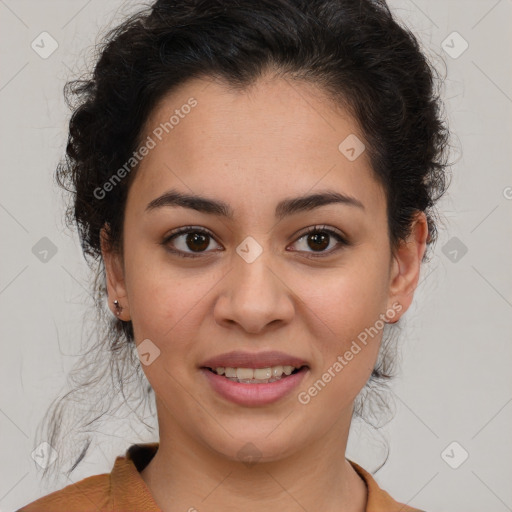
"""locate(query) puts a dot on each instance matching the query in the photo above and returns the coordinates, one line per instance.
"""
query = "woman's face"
(257, 282)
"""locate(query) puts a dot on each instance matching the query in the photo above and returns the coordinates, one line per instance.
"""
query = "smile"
(255, 375)
(249, 390)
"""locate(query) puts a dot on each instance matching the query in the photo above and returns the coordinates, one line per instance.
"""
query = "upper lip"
(240, 359)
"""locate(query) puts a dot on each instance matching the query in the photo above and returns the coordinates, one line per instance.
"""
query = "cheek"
(168, 304)
(345, 310)
(162, 307)
(347, 338)
(345, 301)
(157, 291)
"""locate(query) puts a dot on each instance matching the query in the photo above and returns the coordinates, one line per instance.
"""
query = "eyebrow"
(284, 208)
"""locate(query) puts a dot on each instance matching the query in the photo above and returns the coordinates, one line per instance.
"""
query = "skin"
(251, 149)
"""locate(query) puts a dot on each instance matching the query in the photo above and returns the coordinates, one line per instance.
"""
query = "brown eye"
(189, 240)
(197, 241)
(318, 239)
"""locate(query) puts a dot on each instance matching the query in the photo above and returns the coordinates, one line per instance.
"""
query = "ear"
(406, 266)
(114, 274)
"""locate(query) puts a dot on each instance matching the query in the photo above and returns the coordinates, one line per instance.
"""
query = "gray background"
(455, 383)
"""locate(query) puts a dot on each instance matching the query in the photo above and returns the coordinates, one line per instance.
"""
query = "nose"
(254, 296)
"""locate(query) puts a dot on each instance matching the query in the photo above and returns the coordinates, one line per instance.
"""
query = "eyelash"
(313, 229)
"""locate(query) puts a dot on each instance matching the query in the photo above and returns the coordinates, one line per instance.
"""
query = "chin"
(255, 444)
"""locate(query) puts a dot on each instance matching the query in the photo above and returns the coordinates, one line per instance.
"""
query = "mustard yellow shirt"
(124, 490)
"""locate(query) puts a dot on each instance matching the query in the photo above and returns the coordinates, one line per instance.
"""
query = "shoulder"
(378, 500)
(91, 493)
(123, 489)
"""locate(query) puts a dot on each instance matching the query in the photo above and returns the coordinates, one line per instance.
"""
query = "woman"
(256, 181)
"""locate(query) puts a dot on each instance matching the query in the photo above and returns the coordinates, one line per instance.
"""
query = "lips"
(240, 359)
(254, 394)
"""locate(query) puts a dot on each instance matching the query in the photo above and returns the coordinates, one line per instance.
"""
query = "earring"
(118, 307)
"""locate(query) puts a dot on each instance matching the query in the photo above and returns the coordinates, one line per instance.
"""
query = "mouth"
(253, 379)
(254, 387)
(264, 375)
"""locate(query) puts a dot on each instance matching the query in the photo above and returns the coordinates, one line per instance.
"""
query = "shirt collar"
(129, 491)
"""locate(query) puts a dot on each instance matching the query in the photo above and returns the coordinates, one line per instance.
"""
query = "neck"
(185, 474)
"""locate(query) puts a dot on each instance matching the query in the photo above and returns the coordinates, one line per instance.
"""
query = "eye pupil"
(319, 238)
(198, 241)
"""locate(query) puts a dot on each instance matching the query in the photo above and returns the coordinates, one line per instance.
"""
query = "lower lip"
(254, 394)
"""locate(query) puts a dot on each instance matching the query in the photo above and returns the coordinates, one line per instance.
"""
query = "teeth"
(249, 375)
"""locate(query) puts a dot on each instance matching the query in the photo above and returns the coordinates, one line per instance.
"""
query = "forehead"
(276, 138)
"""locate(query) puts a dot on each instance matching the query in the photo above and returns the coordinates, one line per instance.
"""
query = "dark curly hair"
(353, 50)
